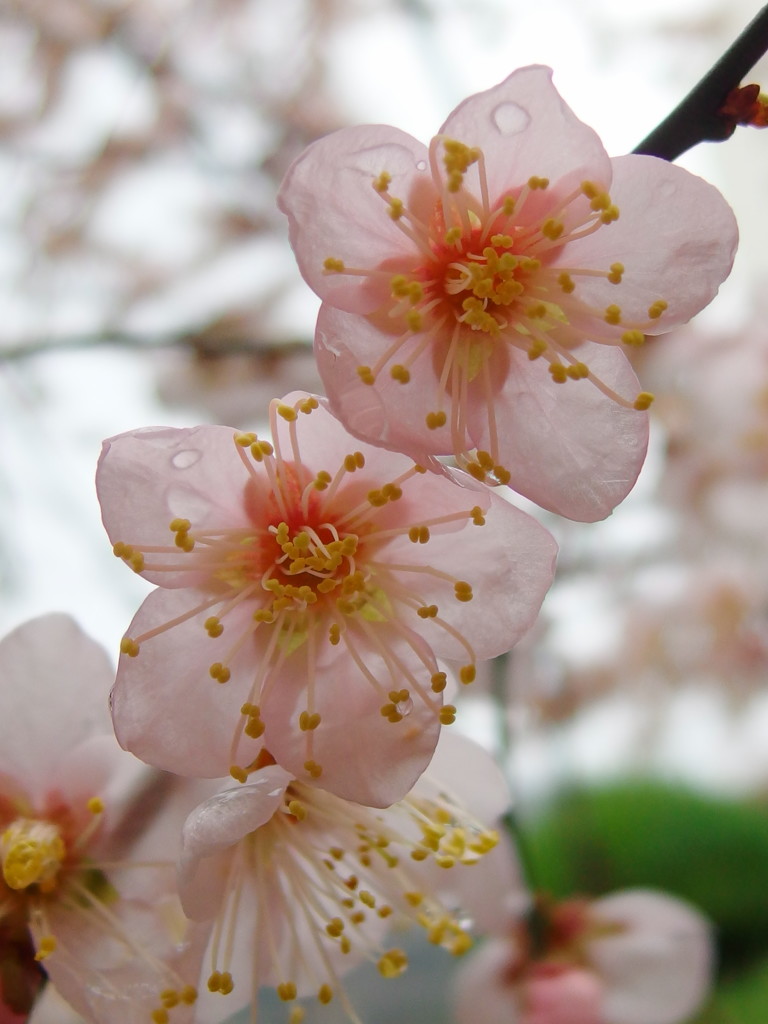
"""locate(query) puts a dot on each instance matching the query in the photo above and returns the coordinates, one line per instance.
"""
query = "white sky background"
(621, 66)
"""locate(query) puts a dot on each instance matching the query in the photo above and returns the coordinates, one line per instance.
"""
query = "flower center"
(488, 273)
(32, 853)
(338, 871)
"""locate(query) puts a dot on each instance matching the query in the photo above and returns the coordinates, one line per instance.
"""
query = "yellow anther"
(244, 440)
(616, 273)
(485, 459)
(447, 714)
(566, 282)
(335, 927)
(45, 947)
(536, 348)
(307, 405)
(183, 541)
(297, 809)
(390, 712)
(169, 997)
(129, 647)
(180, 525)
(477, 516)
(414, 898)
(578, 371)
(508, 206)
(382, 183)
(95, 805)
(590, 189)
(462, 591)
(428, 611)
(438, 682)
(558, 373)
(286, 411)
(213, 626)
(259, 449)
(610, 215)
(308, 721)
(297, 1015)
(313, 769)
(453, 236)
(159, 1016)
(502, 474)
(538, 183)
(322, 480)
(435, 420)
(467, 674)
(254, 728)
(393, 963)
(286, 990)
(219, 672)
(400, 373)
(633, 338)
(600, 201)
(396, 208)
(643, 401)
(263, 615)
(398, 696)
(613, 314)
(31, 853)
(657, 308)
(367, 898)
(325, 994)
(333, 266)
(552, 229)
(238, 774)
(366, 375)
(188, 995)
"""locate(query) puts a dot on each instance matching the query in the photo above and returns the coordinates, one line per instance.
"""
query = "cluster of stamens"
(340, 868)
(44, 863)
(488, 272)
(314, 568)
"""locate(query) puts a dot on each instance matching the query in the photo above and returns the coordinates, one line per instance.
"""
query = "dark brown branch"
(700, 118)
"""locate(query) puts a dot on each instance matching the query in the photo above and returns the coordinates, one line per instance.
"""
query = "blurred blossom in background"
(146, 278)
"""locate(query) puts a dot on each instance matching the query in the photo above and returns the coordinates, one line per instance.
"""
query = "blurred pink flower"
(75, 903)
(477, 293)
(307, 586)
(303, 885)
(634, 957)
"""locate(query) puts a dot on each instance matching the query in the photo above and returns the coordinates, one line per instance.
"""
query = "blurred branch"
(198, 343)
(700, 117)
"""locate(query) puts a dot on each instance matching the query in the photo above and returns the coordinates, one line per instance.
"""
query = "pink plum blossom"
(77, 901)
(306, 587)
(478, 293)
(303, 885)
(633, 957)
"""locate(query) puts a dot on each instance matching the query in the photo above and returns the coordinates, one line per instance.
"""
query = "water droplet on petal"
(421, 165)
(404, 707)
(510, 118)
(186, 458)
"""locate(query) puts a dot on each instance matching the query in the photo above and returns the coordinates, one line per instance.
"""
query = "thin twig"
(698, 118)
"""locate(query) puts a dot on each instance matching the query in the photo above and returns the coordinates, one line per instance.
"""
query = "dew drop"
(510, 118)
(421, 165)
(404, 707)
(186, 458)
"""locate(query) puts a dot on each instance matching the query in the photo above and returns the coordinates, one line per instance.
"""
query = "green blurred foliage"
(712, 852)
